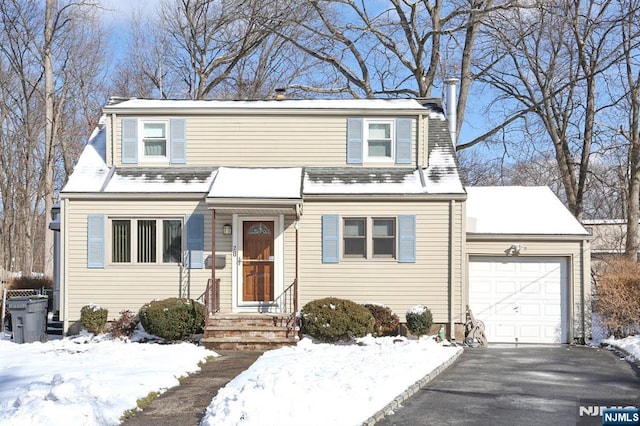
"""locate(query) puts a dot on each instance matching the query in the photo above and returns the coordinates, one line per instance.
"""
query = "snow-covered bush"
(172, 319)
(419, 320)
(386, 322)
(93, 318)
(334, 320)
(125, 325)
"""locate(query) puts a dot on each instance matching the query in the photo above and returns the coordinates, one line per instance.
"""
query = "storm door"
(258, 261)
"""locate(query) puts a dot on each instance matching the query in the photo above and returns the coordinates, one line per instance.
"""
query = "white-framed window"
(146, 240)
(369, 237)
(379, 140)
(154, 140)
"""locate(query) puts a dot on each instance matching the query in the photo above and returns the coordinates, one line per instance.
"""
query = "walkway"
(185, 405)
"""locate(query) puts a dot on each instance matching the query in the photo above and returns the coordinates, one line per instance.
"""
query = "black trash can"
(28, 318)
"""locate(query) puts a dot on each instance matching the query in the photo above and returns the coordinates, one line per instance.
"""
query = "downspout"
(452, 334)
(64, 271)
(210, 289)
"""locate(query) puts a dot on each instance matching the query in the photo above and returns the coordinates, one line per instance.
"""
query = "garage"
(520, 299)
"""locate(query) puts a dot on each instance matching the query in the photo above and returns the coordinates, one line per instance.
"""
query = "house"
(258, 207)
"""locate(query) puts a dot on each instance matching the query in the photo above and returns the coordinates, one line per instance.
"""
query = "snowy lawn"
(629, 344)
(322, 384)
(82, 381)
(95, 381)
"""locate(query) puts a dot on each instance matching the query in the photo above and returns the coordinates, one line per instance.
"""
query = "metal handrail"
(211, 298)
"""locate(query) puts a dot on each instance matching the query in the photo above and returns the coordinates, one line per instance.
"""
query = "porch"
(274, 326)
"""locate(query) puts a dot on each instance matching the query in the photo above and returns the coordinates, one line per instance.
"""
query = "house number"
(235, 251)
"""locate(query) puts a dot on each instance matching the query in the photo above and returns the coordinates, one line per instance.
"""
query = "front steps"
(249, 332)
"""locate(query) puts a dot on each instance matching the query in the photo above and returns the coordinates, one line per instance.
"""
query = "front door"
(258, 261)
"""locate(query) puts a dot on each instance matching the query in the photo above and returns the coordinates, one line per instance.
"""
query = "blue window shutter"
(129, 140)
(330, 233)
(407, 238)
(178, 142)
(403, 140)
(95, 241)
(355, 143)
(195, 241)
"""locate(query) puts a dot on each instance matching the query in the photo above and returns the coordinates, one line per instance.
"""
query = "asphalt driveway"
(523, 385)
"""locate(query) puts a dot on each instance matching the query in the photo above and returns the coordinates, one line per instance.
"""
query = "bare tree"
(36, 53)
(547, 62)
(630, 81)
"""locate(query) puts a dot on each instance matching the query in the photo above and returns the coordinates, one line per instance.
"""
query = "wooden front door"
(257, 261)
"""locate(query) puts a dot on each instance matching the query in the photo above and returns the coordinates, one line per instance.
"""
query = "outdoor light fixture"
(515, 249)
(226, 229)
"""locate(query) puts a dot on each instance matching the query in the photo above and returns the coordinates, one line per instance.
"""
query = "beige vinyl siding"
(120, 287)
(397, 285)
(573, 251)
(309, 140)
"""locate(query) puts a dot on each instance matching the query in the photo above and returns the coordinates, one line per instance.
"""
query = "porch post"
(211, 289)
(297, 279)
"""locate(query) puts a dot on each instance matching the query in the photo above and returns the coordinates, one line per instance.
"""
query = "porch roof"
(242, 187)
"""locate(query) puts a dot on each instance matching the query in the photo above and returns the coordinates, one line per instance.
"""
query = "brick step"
(247, 343)
(233, 331)
(265, 320)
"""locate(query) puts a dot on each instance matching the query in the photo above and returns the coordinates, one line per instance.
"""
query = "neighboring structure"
(609, 237)
(259, 207)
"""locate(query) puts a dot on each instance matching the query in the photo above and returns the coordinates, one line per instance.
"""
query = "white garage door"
(520, 299)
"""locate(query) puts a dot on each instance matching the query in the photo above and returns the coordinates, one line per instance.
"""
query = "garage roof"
(519, 210)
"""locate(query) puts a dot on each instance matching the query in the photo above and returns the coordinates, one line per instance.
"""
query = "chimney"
(280, 93)
(451, 85)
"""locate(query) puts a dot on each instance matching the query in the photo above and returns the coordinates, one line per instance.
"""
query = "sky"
(118, 13)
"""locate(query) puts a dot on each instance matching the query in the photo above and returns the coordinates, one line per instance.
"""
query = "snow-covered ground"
(630, 344)
(83, 381)
(93, 381)
(322, 384)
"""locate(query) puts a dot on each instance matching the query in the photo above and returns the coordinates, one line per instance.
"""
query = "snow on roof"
(356, 180)
(441, 175)
(519, 210)
(91, 171)
(338, 104)
(160, 180)
(370, 180)
(242, 182)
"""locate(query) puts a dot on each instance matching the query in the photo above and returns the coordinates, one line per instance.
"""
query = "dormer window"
(154, 140)
(380, 141)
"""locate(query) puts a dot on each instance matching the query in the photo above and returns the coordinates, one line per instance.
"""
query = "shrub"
(31, 283)
(93, 318)
(419, 320)
(617, 291)
(386, 322)
(172, 319)
(123, 326)
(333, 320)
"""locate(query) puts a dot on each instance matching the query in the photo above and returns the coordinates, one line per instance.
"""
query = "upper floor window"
(380, 140)
(154, 139)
